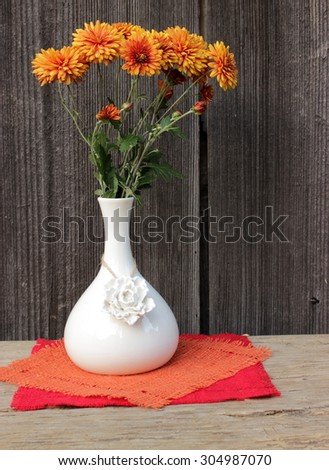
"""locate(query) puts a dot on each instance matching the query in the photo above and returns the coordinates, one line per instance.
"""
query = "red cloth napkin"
(250, 382)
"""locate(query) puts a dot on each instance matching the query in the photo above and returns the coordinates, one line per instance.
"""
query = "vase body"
(97, 341)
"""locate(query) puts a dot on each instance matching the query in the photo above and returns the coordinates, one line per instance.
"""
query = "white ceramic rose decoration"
(126, 298)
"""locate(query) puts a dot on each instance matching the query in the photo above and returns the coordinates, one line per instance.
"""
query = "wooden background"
(264, 144)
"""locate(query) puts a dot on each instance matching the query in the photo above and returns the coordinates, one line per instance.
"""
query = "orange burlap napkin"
(195, 365)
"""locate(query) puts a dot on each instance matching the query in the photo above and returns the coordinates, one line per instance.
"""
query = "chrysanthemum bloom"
(99, 42)
(223, 65)
(207, 92)
(191, 51)
(64, 65)
(199, 107)
(126, 28)
(127, 106)
(175, 77)
(141, 54)
(169, 57)
(177, 114)
(109, 112)
(167, 90)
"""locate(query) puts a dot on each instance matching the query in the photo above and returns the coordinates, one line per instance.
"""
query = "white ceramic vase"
(96, 340)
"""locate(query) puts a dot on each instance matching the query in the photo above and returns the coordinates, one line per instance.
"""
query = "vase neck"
(117, 249)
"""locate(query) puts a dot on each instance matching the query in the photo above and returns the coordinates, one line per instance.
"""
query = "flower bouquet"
(126, 156)
(121, 324)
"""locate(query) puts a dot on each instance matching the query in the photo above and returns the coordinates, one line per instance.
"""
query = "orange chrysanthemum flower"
(99, 42)
(191, 51)
(141, 54)
(207, 92)
(64, 65)
(127, 29)
(109, 112)
(223, 65)
(169, 56)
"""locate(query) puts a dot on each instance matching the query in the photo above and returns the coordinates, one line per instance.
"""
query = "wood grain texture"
(264, 144)
(268, 146)
(296, 420)
(45, 172)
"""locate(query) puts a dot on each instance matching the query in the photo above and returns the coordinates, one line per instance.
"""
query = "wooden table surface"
(299, 419)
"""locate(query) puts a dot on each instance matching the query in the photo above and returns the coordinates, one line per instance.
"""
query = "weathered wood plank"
(296, 420)
(268, 146)
(45, 172)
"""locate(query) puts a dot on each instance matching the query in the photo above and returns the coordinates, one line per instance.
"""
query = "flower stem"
(132, 178)
(73, 101)
(132, 175)
(154, 105)
(132, 88)
(117, 80)
(182, 96)
(100, 87)
(158, 100)
(73, 115)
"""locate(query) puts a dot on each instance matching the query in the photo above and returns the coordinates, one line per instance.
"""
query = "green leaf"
(100, 151)
(115, 124)
(138, 199)
(111, 180)
(99, 192)
(153, 156)
(92, 158)
(148, 127)
(165, 122)
(107, 194)
(113, 147)
(100, 140)
(128, 142)
(112, 186)
(115, 185)
(165, 171)
(178, 132)
(109, 174)
(129, 192)
(98, 177)
(145, 180)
